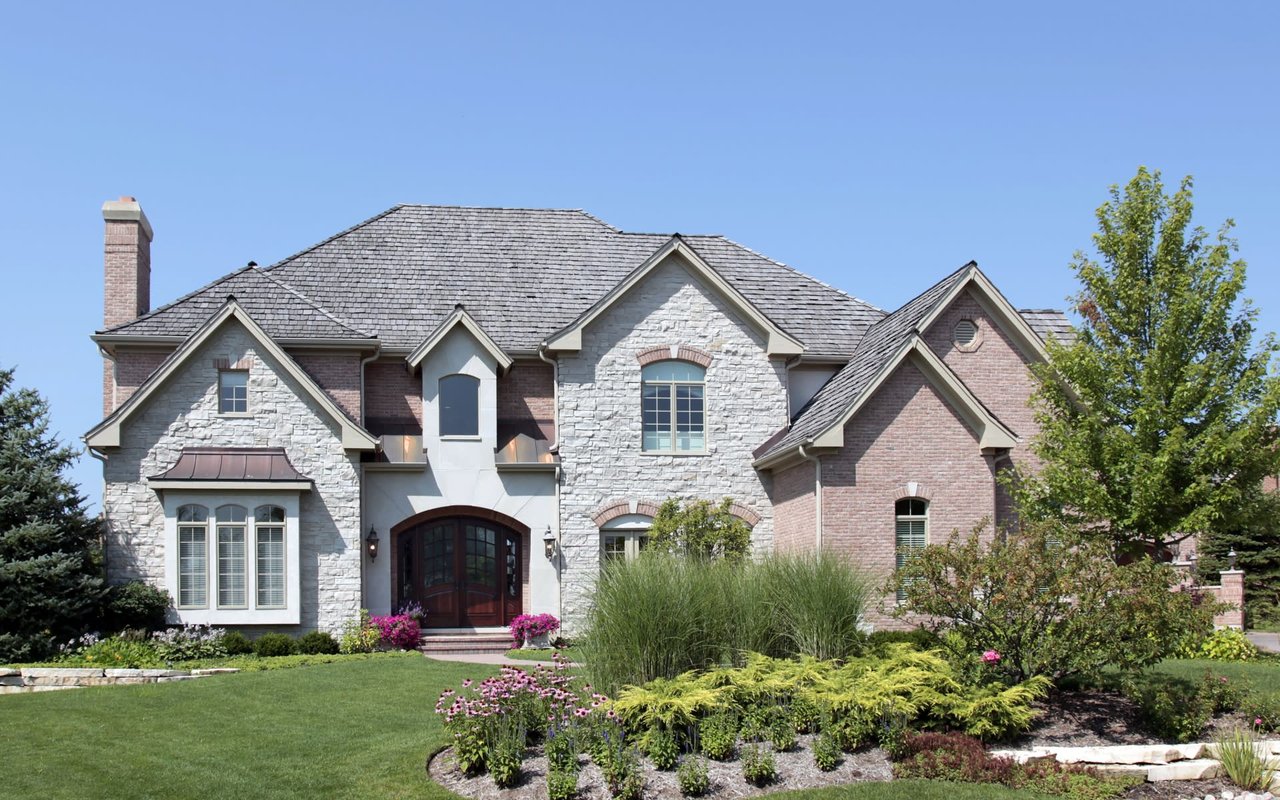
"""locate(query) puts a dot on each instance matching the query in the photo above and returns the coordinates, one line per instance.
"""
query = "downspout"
(103, 513)
(364, 578)
(817, 493)
(555, 449)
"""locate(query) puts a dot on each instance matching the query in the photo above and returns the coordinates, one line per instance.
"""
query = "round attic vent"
(966, 335)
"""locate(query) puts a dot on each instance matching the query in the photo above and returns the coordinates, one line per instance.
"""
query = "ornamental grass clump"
(1245, 760)
(817, 602)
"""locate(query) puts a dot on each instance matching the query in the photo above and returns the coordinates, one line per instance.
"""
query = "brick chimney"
(128, 261)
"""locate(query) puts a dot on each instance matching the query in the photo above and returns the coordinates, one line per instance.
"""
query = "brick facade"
(794, 507)
(905, 434)
(392, 392)
(127, 293)
(339, 375)
(526, 394)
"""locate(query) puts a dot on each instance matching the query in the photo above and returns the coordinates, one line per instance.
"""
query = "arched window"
(622, 538)
(911, 531)
(459, 400)
(268, 530)
(232, 590)
(674, 407)
(193, 556)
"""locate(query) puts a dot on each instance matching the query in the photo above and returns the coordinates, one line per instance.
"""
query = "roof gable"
(778, 341)
(107, 432)
(997, 307)
(460, 317)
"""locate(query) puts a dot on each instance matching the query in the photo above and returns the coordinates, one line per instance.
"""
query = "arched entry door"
(465, 570)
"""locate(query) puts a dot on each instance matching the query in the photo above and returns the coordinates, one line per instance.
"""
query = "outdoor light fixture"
(549, 543)
(1231, 559)
(371, 542)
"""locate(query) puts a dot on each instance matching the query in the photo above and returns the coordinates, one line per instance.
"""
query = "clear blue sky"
(876, 146)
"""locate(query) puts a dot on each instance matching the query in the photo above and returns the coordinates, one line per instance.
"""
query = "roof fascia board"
(460, 317)
(231, 486)
(107, 432)
(998, 308)
(295, 341)
(991, 432)
(779, 343)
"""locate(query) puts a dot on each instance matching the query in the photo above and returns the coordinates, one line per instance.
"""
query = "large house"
(475, 408)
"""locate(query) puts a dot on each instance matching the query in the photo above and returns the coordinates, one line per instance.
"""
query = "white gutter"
(360, 532)
(817, 494)
(377, 350)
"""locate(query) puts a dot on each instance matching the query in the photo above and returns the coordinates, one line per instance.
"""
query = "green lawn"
(360, 728)
(1262, 676)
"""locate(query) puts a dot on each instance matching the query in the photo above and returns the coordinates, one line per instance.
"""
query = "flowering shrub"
(527, 626)
(113, 652)
(359, 635)
(398, 630)
(991, 657)
(546, 701)
(414, 609)
(190, 642)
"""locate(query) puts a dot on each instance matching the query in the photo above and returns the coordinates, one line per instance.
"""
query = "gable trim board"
(992, 433)
(107, 432)
(460, 317)
(779, 342)
(995, 304)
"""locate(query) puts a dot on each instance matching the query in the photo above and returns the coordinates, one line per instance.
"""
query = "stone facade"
(184, 413)
(600, 424)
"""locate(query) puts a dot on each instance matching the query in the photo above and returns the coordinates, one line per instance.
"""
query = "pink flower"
(1257, 720)
(990, 657)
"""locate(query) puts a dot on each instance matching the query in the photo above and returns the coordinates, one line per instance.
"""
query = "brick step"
(465, 643)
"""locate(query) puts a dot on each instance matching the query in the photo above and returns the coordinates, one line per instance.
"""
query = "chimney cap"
(126, 209)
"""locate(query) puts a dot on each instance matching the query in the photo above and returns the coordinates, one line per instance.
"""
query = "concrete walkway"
(1264, 641)
(485, 658)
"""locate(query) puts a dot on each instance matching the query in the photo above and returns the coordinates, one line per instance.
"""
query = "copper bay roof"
(240, 464)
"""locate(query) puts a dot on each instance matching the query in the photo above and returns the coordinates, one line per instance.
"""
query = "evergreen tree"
(1159, 420)
(49, 583)
(1255, 537)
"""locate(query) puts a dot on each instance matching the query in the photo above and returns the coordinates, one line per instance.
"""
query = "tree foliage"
(1048, 602)
(1254, 534)
(697, 528)
(49, 584)
(1160, 419)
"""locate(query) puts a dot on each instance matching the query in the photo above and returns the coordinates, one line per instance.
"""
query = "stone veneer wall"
(600, 426)
(184, 413)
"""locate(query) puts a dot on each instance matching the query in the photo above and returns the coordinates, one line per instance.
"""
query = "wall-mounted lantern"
(549, 543)
(371, 543)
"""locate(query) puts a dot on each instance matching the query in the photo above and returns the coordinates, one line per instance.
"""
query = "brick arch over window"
(913, 489)
(612, 509)
(677, 352)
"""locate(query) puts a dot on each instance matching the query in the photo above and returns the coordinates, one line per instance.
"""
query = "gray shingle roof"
(523, 274)
(1047, 322)
(881, 342)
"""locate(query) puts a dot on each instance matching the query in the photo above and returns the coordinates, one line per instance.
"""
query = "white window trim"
(476, 382)
(706, 429)
(291, 613)
(909, 518)
(633, 527)
(248, 408)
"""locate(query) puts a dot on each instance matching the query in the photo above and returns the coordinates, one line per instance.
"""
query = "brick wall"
(339, 375)
(905, 434)
(996, 372)
(794, 507)
(127, 257)
(131, 371)
(526, 394)
(391, 391)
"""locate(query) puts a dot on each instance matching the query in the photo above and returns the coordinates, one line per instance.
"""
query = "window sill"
(676, 453)
(235, 414)
(238, 616)
(476, 438)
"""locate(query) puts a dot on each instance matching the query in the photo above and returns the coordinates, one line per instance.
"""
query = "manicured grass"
(911, 790)
(359, 728)
(1262, 676)
(544, 654)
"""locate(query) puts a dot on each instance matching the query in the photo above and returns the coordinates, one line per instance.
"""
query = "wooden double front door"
(465, 571)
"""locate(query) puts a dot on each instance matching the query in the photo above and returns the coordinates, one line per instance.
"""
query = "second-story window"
(233, 391)
(459, 400)
(673, 407)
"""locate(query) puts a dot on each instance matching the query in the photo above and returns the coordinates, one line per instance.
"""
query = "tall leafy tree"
(49, 581)
(1158, 422)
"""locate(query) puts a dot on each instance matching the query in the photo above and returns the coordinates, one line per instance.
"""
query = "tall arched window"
(193, 556)
(268, 533)
(459, 400)
(911, 531)
(232, 585)
(673, 407)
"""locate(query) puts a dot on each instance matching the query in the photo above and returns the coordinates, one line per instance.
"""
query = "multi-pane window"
(233, 391)
(459, 405)
(231, 557)
(269, 533)
(674, 407)
(622, 545)
(911, 534)
(193, 556)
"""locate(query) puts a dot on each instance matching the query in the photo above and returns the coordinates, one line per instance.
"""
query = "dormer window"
(233, 391)
(459, 405)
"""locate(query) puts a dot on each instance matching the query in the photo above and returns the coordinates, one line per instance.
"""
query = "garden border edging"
(44, 679)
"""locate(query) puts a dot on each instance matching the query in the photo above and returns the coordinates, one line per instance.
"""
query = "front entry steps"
(452, 642)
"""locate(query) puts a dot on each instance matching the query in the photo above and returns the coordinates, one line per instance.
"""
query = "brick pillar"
(1232, 593)
(127, 274)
